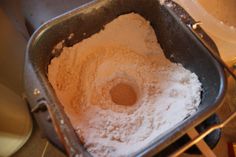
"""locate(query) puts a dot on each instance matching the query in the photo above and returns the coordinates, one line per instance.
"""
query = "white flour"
(119, 90)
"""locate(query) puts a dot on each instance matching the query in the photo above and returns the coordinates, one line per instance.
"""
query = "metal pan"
(170, 23)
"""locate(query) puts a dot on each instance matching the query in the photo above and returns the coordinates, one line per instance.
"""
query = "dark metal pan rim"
(184, 124)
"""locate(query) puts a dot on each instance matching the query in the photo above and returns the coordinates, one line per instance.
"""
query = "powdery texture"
(125, 57)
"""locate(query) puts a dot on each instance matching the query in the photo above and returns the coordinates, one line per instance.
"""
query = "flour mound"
(118, 89)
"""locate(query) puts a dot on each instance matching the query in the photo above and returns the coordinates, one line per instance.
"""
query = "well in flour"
(118, 89)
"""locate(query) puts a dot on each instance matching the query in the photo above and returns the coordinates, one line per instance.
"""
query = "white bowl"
(15, 122)
(223, 35)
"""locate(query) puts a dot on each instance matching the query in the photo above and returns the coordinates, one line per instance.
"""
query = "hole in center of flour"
(123, 94)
